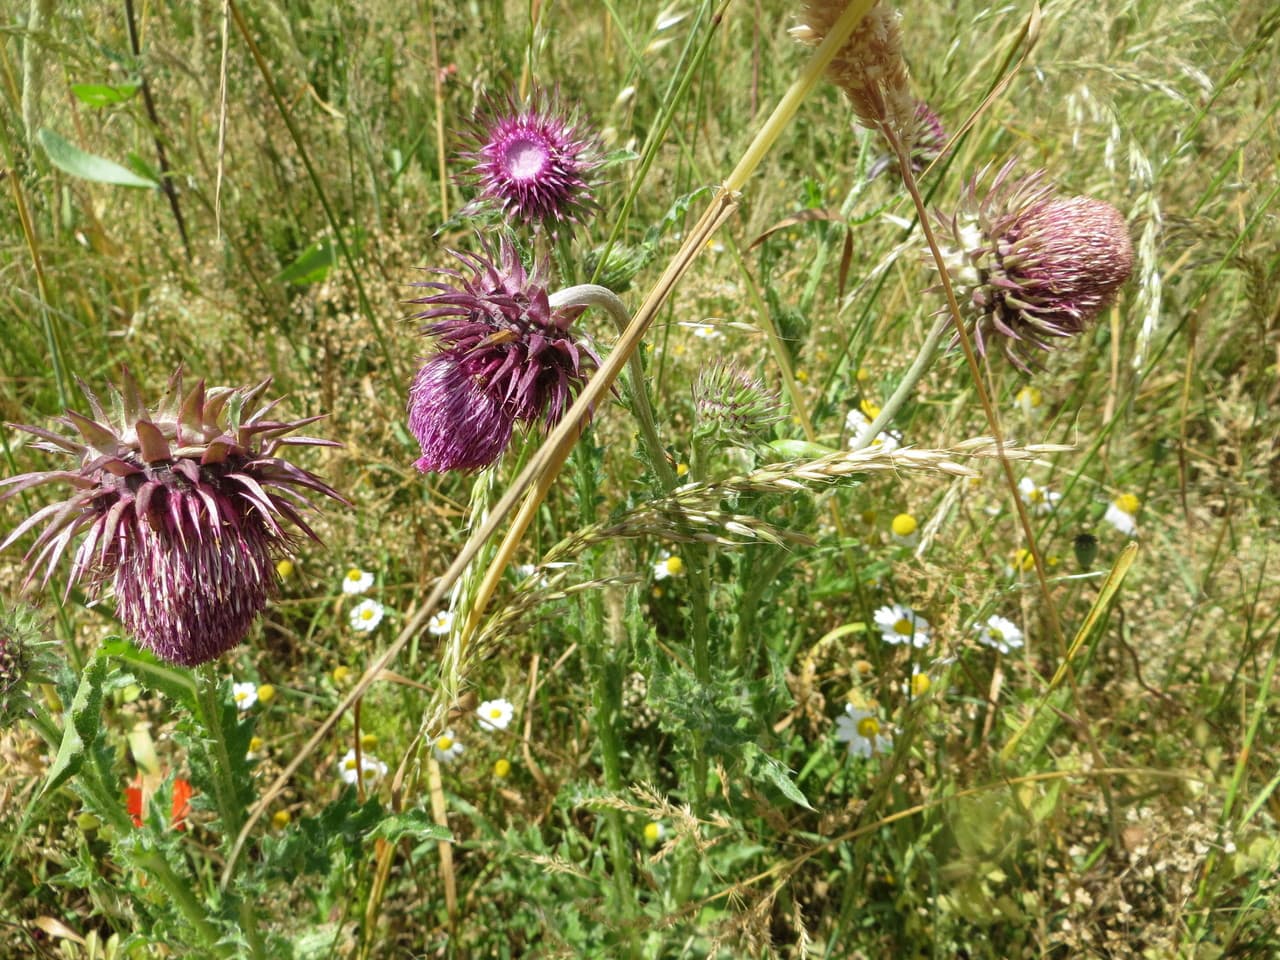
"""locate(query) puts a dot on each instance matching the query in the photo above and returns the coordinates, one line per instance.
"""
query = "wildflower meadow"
(708, 479)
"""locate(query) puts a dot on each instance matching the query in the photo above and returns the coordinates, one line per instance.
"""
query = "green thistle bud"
(21, 660)
(732, 406)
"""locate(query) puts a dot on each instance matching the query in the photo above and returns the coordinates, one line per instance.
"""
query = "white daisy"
(858, 427)
(668, 565)
(366, 615)
(356, 581)
(1031, 402)
(244, 694)
(1040, 500)
(1122, 513)
(862, 731)
(704, 330)
(899, 624)
(371, 768)
(446, 749)
(495, 714)
(999, 633)
(441, 623)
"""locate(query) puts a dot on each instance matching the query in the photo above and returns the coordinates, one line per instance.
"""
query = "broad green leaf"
(312, 265)
(82, 729)
(87, 166)
(103, 94)
(176, 683)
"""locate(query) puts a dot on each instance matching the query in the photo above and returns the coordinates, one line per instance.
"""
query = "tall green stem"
(230, 811)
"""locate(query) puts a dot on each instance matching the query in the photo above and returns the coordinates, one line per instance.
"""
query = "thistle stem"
(230, 812)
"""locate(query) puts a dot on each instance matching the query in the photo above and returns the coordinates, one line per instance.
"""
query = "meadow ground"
(677, 718)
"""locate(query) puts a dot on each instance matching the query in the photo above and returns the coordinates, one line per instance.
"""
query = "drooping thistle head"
(733, 407)
(869, 68)
(503, 356)
(183, 509)
(928, 140)
(1030, 268)
(532, 160)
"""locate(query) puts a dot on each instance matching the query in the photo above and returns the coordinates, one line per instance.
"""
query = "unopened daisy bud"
(1029, 268)
(503, 356)
(533, 161)
(653, 832)
(501, 768)
(732, 406)
(869, 68)
(281, 819)
(903, 526)
(266, 693)
(183, 508)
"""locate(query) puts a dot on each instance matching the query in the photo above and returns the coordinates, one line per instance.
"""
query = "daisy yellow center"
(1030, 396)
(354, 574)
(868, 728)
(920, 684)
(996, 633)
(903, 627)
(675, 566)
(1035, 495)
(240, 696)
(1128, 503)
(366, 613)
(870, 409)
(368, 773)
(349, 763)
(904, 525)
(444, 744)
(495, 713)
(653, 832)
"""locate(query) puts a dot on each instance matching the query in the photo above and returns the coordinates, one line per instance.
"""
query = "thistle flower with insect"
(504, 356)
(1031, 268)
(183, 509)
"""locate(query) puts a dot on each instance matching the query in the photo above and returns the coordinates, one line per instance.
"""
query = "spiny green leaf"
(78, 735)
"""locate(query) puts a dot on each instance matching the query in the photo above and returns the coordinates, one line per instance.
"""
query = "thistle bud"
(732, 406)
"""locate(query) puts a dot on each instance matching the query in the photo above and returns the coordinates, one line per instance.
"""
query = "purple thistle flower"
(1030, 268)
(183, 509)
(504, 356)
(532, 161)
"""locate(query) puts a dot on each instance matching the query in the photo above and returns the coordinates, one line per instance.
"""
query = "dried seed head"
(1030, 268)
(869, 67)
(183, 509)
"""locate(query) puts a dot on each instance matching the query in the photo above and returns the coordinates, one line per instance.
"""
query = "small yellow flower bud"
(340, 674)
(281, 819)
(285, 569)
(904, 525)
(255, 744)
(502, 768)
(368, 741)
(266, 693)
(653, 831)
